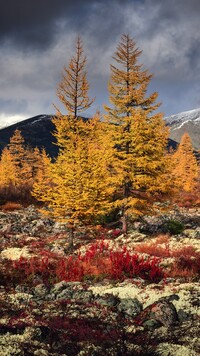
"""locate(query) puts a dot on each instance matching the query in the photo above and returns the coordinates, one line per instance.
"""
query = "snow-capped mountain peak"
(192, 115)
(188, 121)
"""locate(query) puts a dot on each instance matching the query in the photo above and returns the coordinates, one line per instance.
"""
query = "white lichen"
(14, 253)
(165, 349)
(152, 293)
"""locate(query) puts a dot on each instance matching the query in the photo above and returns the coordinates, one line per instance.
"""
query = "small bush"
(155, 248)
(11, 206)
(174, 227)
(187, 263)
(188, 251)
(189, 199)
(17, 194)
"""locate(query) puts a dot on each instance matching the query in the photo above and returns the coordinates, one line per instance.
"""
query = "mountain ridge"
(37, 130)
(186, 121)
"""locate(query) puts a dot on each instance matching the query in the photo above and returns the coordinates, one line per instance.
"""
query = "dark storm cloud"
(37, 39)
(36, 23)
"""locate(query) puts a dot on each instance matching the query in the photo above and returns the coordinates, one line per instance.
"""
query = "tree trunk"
(124, 224)
(71, 238)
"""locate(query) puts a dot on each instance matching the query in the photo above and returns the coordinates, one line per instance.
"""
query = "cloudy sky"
(37, 39)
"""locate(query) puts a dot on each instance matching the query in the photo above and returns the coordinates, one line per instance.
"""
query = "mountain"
(188, 121)
(37, 130)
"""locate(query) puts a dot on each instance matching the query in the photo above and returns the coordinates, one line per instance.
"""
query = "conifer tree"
(185, 165)
(21, 158)
(82, 181)
(16, 148)
(72, 92)
(79, 184)
(7, 170)
(73, 89)
(141, 136)
(35, 160)
(42, 180)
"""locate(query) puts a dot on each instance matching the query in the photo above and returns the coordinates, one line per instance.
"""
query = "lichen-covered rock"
(130, 306)
(166, 349)
(162, 311)
(108, 300)
(192, 233)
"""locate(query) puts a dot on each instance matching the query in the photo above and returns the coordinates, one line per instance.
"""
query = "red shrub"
(189, 199)
(116, 232)
(187, 262)
(154, 249)
(94, 250)
(188, 251)
(69, 269)
(126, 265)
(99, 260)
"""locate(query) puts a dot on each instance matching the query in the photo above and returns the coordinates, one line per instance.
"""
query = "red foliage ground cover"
(98, 261)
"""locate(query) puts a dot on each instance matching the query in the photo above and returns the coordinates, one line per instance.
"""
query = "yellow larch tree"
(141, 136)
(83, 176)
(35, 160)
(185, 169)
(72, 90)
(7, 170)
(42, 181)
(21, 158)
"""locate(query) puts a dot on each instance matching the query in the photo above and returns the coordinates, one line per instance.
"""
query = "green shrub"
(174, 227)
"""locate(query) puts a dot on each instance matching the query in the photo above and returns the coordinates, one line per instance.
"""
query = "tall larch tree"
(83, 178)
(72, 90)
(185, 169)
(141, 134)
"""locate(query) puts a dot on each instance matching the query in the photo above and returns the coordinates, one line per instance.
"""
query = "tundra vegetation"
(97, 242)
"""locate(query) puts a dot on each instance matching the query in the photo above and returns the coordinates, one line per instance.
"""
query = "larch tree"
(42, 181)
(72, 90)
(141, 136)
(35, 160)
(83, 178)
(8, 175)
(185, 169)
(21, 158)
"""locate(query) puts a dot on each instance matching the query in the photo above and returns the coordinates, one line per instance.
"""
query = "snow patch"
(6, 121)
(183, 117)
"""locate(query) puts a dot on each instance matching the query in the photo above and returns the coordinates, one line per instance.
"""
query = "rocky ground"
(92, 302)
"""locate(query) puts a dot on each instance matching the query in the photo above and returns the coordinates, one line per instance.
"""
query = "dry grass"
(11, 206)
(159, 248)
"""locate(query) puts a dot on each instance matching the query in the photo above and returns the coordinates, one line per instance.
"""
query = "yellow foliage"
(185, 165)
(21, 158)
(8, 174)
(42, 181)
(83, 176)
(73, 89)
(140, 136)
(19, 164)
